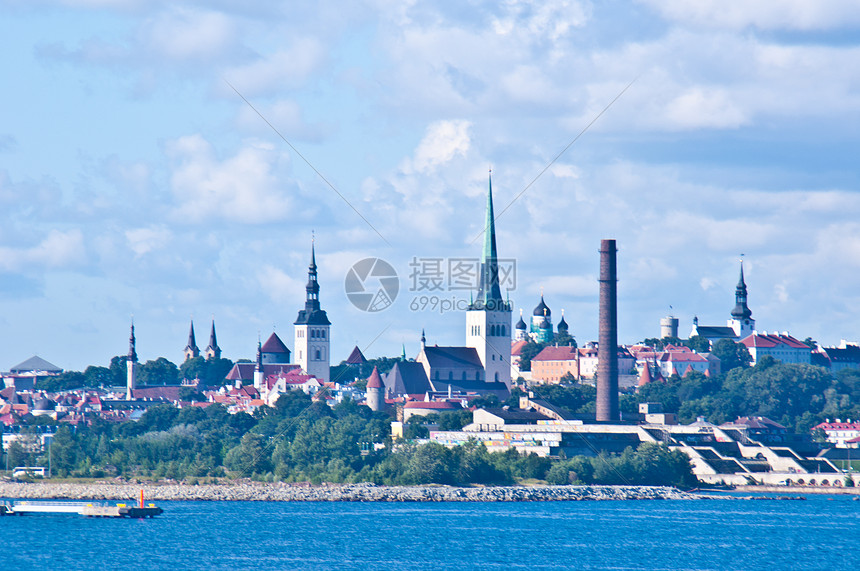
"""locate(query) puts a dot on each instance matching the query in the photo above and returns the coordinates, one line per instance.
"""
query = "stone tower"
(488, 318)
(213, 351)
(131, 366)
(191, 349)
(312, 327)
(375, 391)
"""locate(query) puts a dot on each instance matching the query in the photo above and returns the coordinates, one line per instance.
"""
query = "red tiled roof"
(839, 426)
(517, 347)
(356, 357)
(769, 341)
(556, 354)
(274, 345)
(375, 382)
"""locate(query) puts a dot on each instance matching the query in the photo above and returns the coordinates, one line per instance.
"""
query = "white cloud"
(765, 14)
(183, 33)
(443, 140)
(288, 68)
(549, 18)
(145, 240)
(699, 107)
(58, 249)
(286, 116)
(242, 188)
(276, 284)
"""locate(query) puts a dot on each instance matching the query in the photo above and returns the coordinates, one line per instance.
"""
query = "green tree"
(528, 352)
(563, 339)
(732, 355)
(158, 372)
(67, 380)
(249, 457)
(98, 377)
(698, 343)
(16, 455)
(118, 370)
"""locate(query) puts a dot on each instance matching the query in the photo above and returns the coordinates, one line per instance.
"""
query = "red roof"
(375, 382)
(356, 357)
(517, 347)
(274, 345)
(757, 340)
(839, 426)
(556, 354)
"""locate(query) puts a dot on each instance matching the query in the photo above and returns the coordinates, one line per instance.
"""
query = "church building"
(484, 364)
(741, 324)
(312, 340)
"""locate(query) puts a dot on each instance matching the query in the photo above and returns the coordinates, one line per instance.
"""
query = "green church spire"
(489, 288)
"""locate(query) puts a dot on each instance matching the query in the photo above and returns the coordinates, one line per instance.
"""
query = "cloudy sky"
(134, 180)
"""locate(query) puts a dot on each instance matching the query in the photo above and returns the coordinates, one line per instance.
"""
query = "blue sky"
(134, 180)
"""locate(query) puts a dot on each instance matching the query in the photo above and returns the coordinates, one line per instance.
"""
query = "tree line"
(299, 440)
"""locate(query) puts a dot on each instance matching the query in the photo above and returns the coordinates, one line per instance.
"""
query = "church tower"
(191, 349)
(131, 367)
(741, 321)
(541, 329)
(488, 319)
(258, 367)
(213, 351)
(521, 334)
(313, 343)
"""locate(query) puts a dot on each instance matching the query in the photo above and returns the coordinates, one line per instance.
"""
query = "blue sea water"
(820, 533)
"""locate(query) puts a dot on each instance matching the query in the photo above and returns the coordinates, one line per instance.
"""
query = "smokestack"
(607, 350)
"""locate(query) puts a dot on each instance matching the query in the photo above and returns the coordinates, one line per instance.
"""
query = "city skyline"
(135, 181)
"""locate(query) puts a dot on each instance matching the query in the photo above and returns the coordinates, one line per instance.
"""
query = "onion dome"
(542, 310)
(521, 325)
(545, 325)
(562, 325)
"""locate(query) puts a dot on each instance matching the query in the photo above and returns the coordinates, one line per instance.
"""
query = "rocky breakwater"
(280, 492)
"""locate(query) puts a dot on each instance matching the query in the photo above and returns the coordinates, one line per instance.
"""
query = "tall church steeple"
(489, 288)
(741, 322)
(191, 349)
(132, 342)
(741, 310)
(131, 366)
(258, 366)
(312, 327)
(213, 351)
(488, 319)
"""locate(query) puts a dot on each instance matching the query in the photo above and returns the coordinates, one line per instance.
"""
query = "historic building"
(484, 364)
(213, 351)
(541, 326)
(312, 327)
(488, 318)
(740, 325)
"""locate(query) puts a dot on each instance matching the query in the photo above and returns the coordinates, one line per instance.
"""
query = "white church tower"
(131, 367)
(313, 342)
(741, 321)
(488, 319)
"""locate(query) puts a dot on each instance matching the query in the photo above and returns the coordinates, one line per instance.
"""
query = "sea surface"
(822, 532)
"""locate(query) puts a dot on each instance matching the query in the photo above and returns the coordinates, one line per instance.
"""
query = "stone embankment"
(334, 493)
